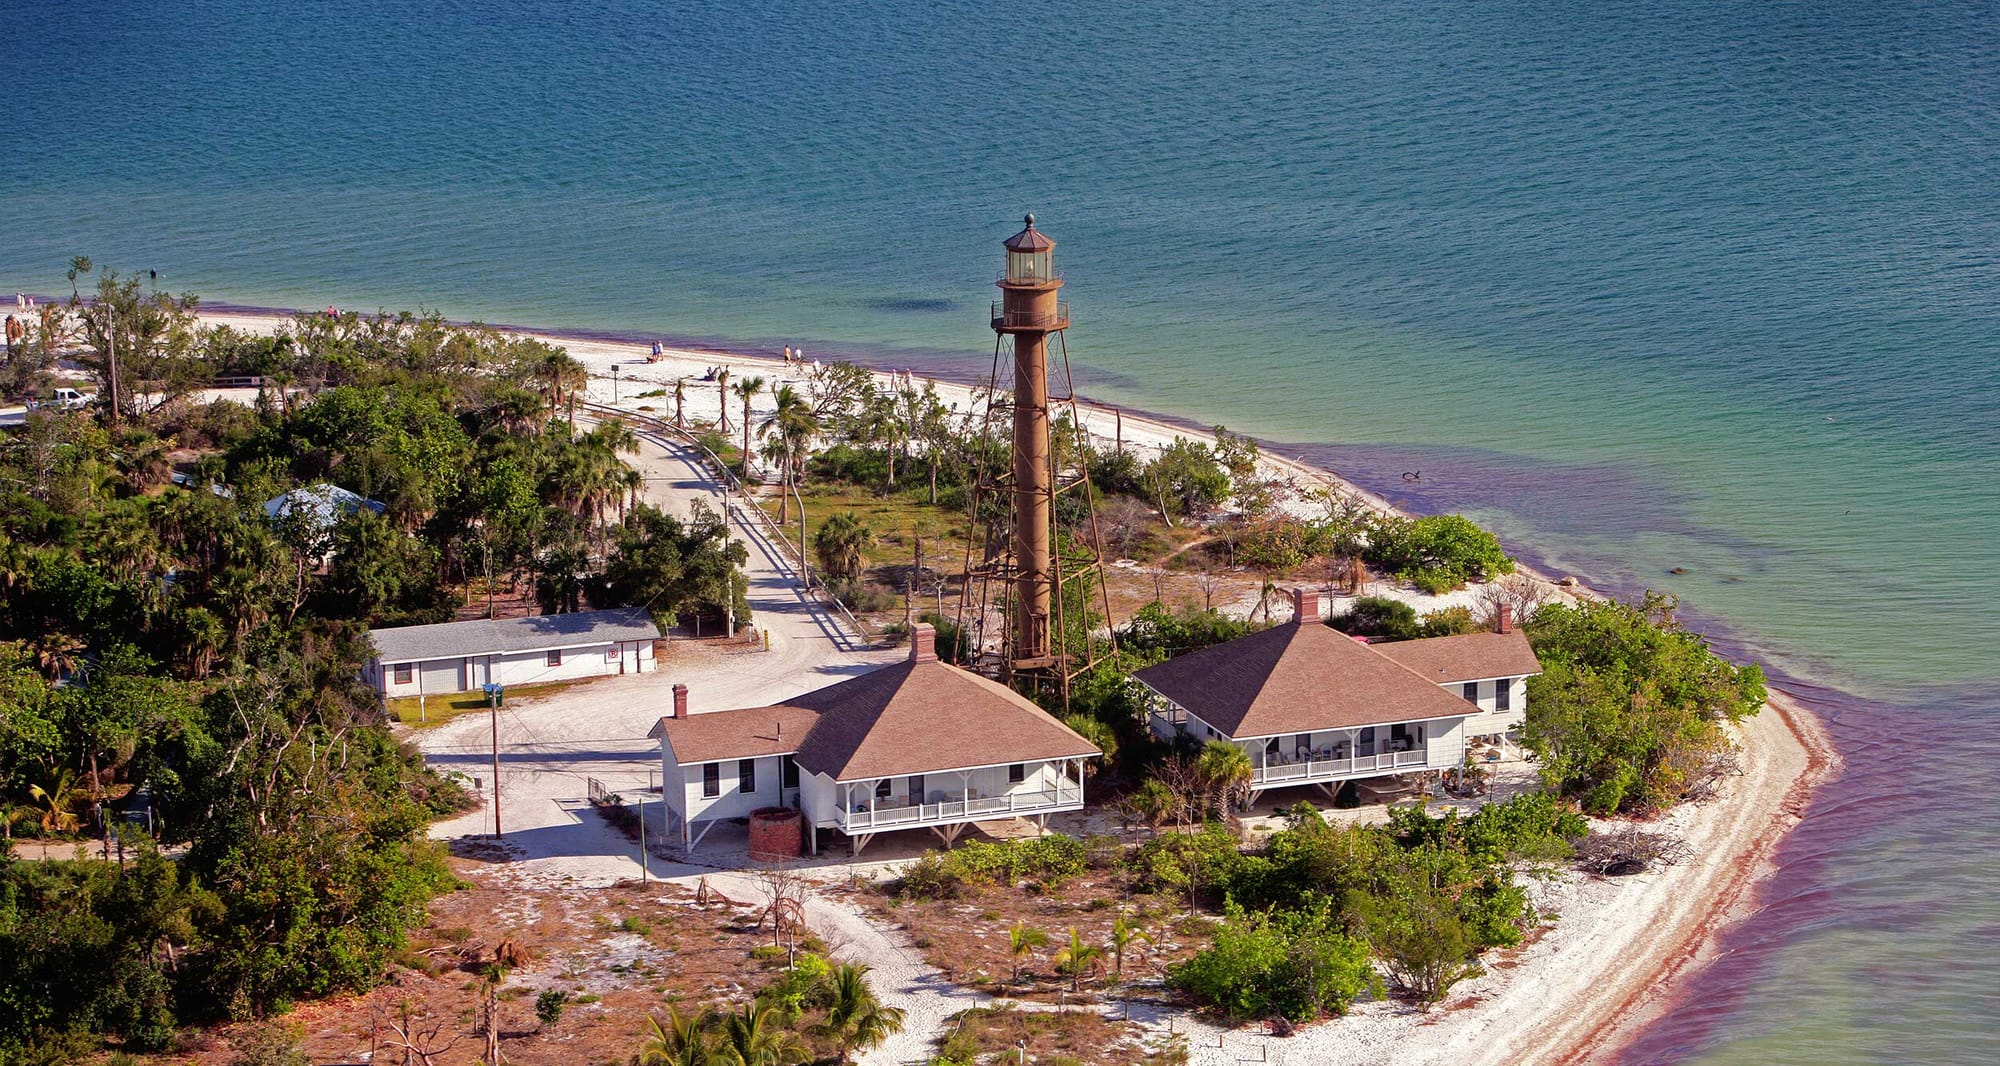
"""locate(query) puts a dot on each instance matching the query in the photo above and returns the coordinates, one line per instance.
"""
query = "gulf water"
(1712, 286)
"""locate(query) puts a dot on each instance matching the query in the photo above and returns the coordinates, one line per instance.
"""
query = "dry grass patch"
(1055, 1038)
(617, 954)
(968, 939)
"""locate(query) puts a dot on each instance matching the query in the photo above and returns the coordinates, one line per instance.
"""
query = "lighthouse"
(1029, 310)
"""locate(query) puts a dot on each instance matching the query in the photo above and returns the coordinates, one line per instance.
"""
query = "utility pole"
(645, 861)
(493, 695)
(111, 356)
(614, 384)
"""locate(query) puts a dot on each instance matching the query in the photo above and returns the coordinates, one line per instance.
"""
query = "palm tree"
(839, 542)
(747, 389)
(680, 402)
(794, 425)
(560, 376)
(683, 1041)
(1020, 941)
(855, 1020)
(59, 802)
(722, 399)
(58, 654)
(1078, 958)
(756, 1036)
(1124, 933)
(1227, 769)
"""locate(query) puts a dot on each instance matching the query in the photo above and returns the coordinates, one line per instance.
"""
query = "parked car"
(72, 400)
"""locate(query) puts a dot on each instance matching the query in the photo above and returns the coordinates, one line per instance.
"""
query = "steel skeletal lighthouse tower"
(1030, 578)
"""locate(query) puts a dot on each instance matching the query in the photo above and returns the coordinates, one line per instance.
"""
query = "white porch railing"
(881, 816)
(1314, 769)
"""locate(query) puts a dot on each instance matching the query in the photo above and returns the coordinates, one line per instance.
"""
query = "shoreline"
(1639, 956)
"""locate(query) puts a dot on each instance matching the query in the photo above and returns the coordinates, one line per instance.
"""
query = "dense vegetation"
(1627, 713)
(175, 658)
(1422, 897)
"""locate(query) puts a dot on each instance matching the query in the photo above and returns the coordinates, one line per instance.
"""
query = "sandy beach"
(1622, 951)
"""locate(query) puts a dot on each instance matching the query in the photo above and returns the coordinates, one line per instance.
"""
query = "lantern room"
(1030, 258)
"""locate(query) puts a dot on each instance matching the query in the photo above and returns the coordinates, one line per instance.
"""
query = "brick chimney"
(1305, 605)
(923, 643)
(680, 701)
(1503, 619)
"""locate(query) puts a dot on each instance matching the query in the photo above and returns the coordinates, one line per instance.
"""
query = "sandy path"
(551, 745)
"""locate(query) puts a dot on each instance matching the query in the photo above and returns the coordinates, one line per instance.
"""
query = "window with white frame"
(1503, 695)
(555, 658)
(711, 780)
(402, 673)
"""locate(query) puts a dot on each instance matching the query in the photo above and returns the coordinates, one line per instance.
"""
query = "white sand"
(1619, 952)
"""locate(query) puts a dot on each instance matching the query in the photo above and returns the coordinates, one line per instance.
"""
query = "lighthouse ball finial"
(1031, 220)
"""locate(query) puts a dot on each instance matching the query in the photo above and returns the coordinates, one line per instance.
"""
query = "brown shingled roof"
(1298, 678)
(920, 716)
(1466, 657)
(738, 734)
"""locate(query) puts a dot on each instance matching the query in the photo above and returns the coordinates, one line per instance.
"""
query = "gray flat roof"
(546, 632)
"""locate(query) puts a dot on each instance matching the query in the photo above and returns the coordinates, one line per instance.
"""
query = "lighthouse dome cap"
(1029, 239)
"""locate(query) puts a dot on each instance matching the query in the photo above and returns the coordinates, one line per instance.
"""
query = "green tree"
(746, 390)
(1629, 705)
(755, 1035)
(1227, 771)
(1436, 552)
(1021, 942)
(682, 1041)
(839, 542)
(1186, 480)
(1077, 958)
(1124, 934)
(1296, 964)
(855, 1020)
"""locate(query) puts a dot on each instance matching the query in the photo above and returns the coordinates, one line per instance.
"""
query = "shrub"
(549, 1006)
(1448, 622)
(1628, 708)
(1436, 553)
(1378, 616)
(1186, 479)
(1049, 861)
(1157, 632)
(1297, 965)
(632, 923)
(1279, 546)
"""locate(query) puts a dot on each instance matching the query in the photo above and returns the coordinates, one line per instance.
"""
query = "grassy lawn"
(898, 520)
(440, 709)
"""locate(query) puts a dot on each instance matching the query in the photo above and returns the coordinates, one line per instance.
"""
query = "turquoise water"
(1644, 286)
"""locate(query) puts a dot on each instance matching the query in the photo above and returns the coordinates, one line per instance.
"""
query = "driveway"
(550, 746)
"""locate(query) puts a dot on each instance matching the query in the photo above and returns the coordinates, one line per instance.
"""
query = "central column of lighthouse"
(1029, 311)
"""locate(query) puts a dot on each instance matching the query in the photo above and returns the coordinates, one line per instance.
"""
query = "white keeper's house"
(1314, 706)
(452, 657)
(920, 744)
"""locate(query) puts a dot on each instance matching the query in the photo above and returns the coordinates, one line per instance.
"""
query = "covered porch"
(945, 802)
(1337, 755)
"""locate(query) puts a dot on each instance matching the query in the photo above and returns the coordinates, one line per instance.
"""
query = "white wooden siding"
(444, 676)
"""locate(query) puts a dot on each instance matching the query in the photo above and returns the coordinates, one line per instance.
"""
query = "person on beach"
(788, 355)
(21, 302)
(658, 352)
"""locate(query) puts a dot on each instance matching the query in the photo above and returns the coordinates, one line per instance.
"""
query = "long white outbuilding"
(452, 657)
